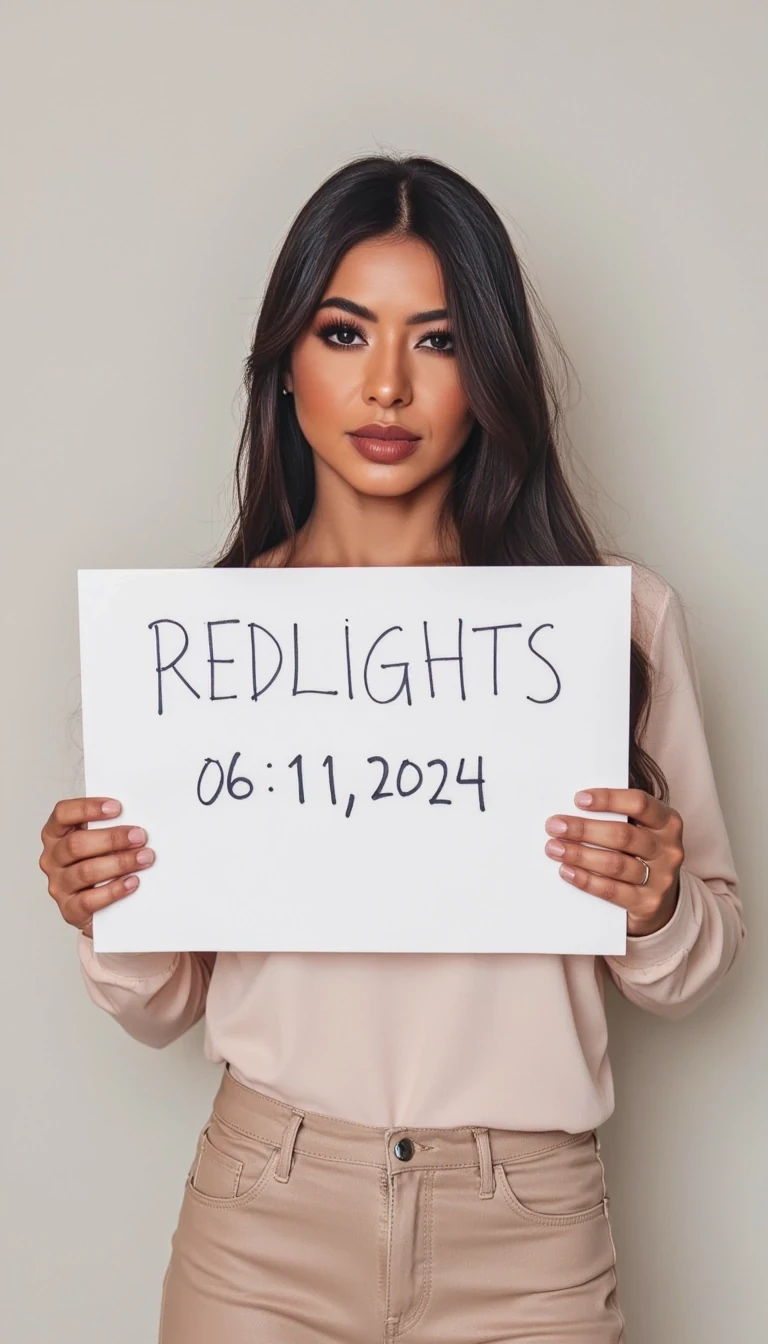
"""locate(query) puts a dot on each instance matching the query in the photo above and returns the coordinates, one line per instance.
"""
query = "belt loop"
(487, 1178)
(283, 1166)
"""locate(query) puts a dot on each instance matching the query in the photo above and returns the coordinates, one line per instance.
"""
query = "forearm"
(155, 996)
(672, 970)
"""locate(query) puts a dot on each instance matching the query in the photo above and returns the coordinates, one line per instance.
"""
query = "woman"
(405, 1145)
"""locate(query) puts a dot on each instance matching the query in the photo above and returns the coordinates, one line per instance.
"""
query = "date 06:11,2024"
(213, 780)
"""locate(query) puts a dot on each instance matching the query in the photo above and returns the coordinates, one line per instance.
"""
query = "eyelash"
(335, 325)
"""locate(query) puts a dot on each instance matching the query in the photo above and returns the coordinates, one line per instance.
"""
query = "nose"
(387, 380)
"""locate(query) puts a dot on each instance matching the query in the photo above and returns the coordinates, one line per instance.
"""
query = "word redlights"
(260, 652)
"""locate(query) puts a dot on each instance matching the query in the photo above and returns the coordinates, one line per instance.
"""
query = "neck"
(348, 528)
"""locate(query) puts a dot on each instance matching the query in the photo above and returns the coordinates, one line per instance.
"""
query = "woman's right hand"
(74, 859)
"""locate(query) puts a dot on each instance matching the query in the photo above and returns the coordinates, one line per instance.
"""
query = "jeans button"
(404, 1149)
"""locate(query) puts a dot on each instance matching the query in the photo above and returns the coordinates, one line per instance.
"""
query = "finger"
(70, 812)
(611, 834)
(607, 888)
(80, 907)
(81, 844)
(640, 806)
(609, 863)
(89, 872)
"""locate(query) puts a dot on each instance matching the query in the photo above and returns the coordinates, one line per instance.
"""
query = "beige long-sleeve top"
(507, 1040)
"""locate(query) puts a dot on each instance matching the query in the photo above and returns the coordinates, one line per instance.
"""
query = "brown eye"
(441, 336)
(343, 329)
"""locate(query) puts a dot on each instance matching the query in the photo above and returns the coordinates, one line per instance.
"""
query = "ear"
(288, 380)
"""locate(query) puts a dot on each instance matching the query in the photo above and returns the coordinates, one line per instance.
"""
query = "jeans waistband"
(399, 1148)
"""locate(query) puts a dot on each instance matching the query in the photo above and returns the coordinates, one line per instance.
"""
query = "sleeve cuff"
(123, 965)
(668, 943)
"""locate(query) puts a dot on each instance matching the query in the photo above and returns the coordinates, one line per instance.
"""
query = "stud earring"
(285, 392)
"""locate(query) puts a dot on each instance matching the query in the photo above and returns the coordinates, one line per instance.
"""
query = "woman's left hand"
(653, 833)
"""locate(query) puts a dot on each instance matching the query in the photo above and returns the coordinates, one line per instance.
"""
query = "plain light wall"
(153, 156)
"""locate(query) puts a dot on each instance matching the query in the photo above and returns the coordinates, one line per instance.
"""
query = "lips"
(374, 431)
(384, 443)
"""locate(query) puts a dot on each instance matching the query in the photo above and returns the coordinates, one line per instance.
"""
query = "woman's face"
(379, 352)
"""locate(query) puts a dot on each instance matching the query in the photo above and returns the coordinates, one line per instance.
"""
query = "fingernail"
(144, 856)
(554, 848)
(583, 799)
(136, 835)
(570, 873)
(557, 827)
(110, 809)
(130, 883)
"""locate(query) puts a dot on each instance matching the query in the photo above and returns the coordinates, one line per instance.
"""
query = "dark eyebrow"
(433, 315)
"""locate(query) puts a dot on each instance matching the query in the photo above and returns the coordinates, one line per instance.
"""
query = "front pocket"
(230, 1168)
(557, 1187)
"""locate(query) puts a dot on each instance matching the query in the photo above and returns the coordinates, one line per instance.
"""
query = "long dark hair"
(509, 500)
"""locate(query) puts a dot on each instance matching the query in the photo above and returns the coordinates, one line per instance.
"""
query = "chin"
(385, 482)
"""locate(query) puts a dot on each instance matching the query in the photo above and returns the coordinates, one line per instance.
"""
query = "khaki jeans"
(300, 1228)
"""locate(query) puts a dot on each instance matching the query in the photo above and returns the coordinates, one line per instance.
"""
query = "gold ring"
(647, 872)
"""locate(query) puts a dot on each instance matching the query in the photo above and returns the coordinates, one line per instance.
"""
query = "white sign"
(355, 759)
